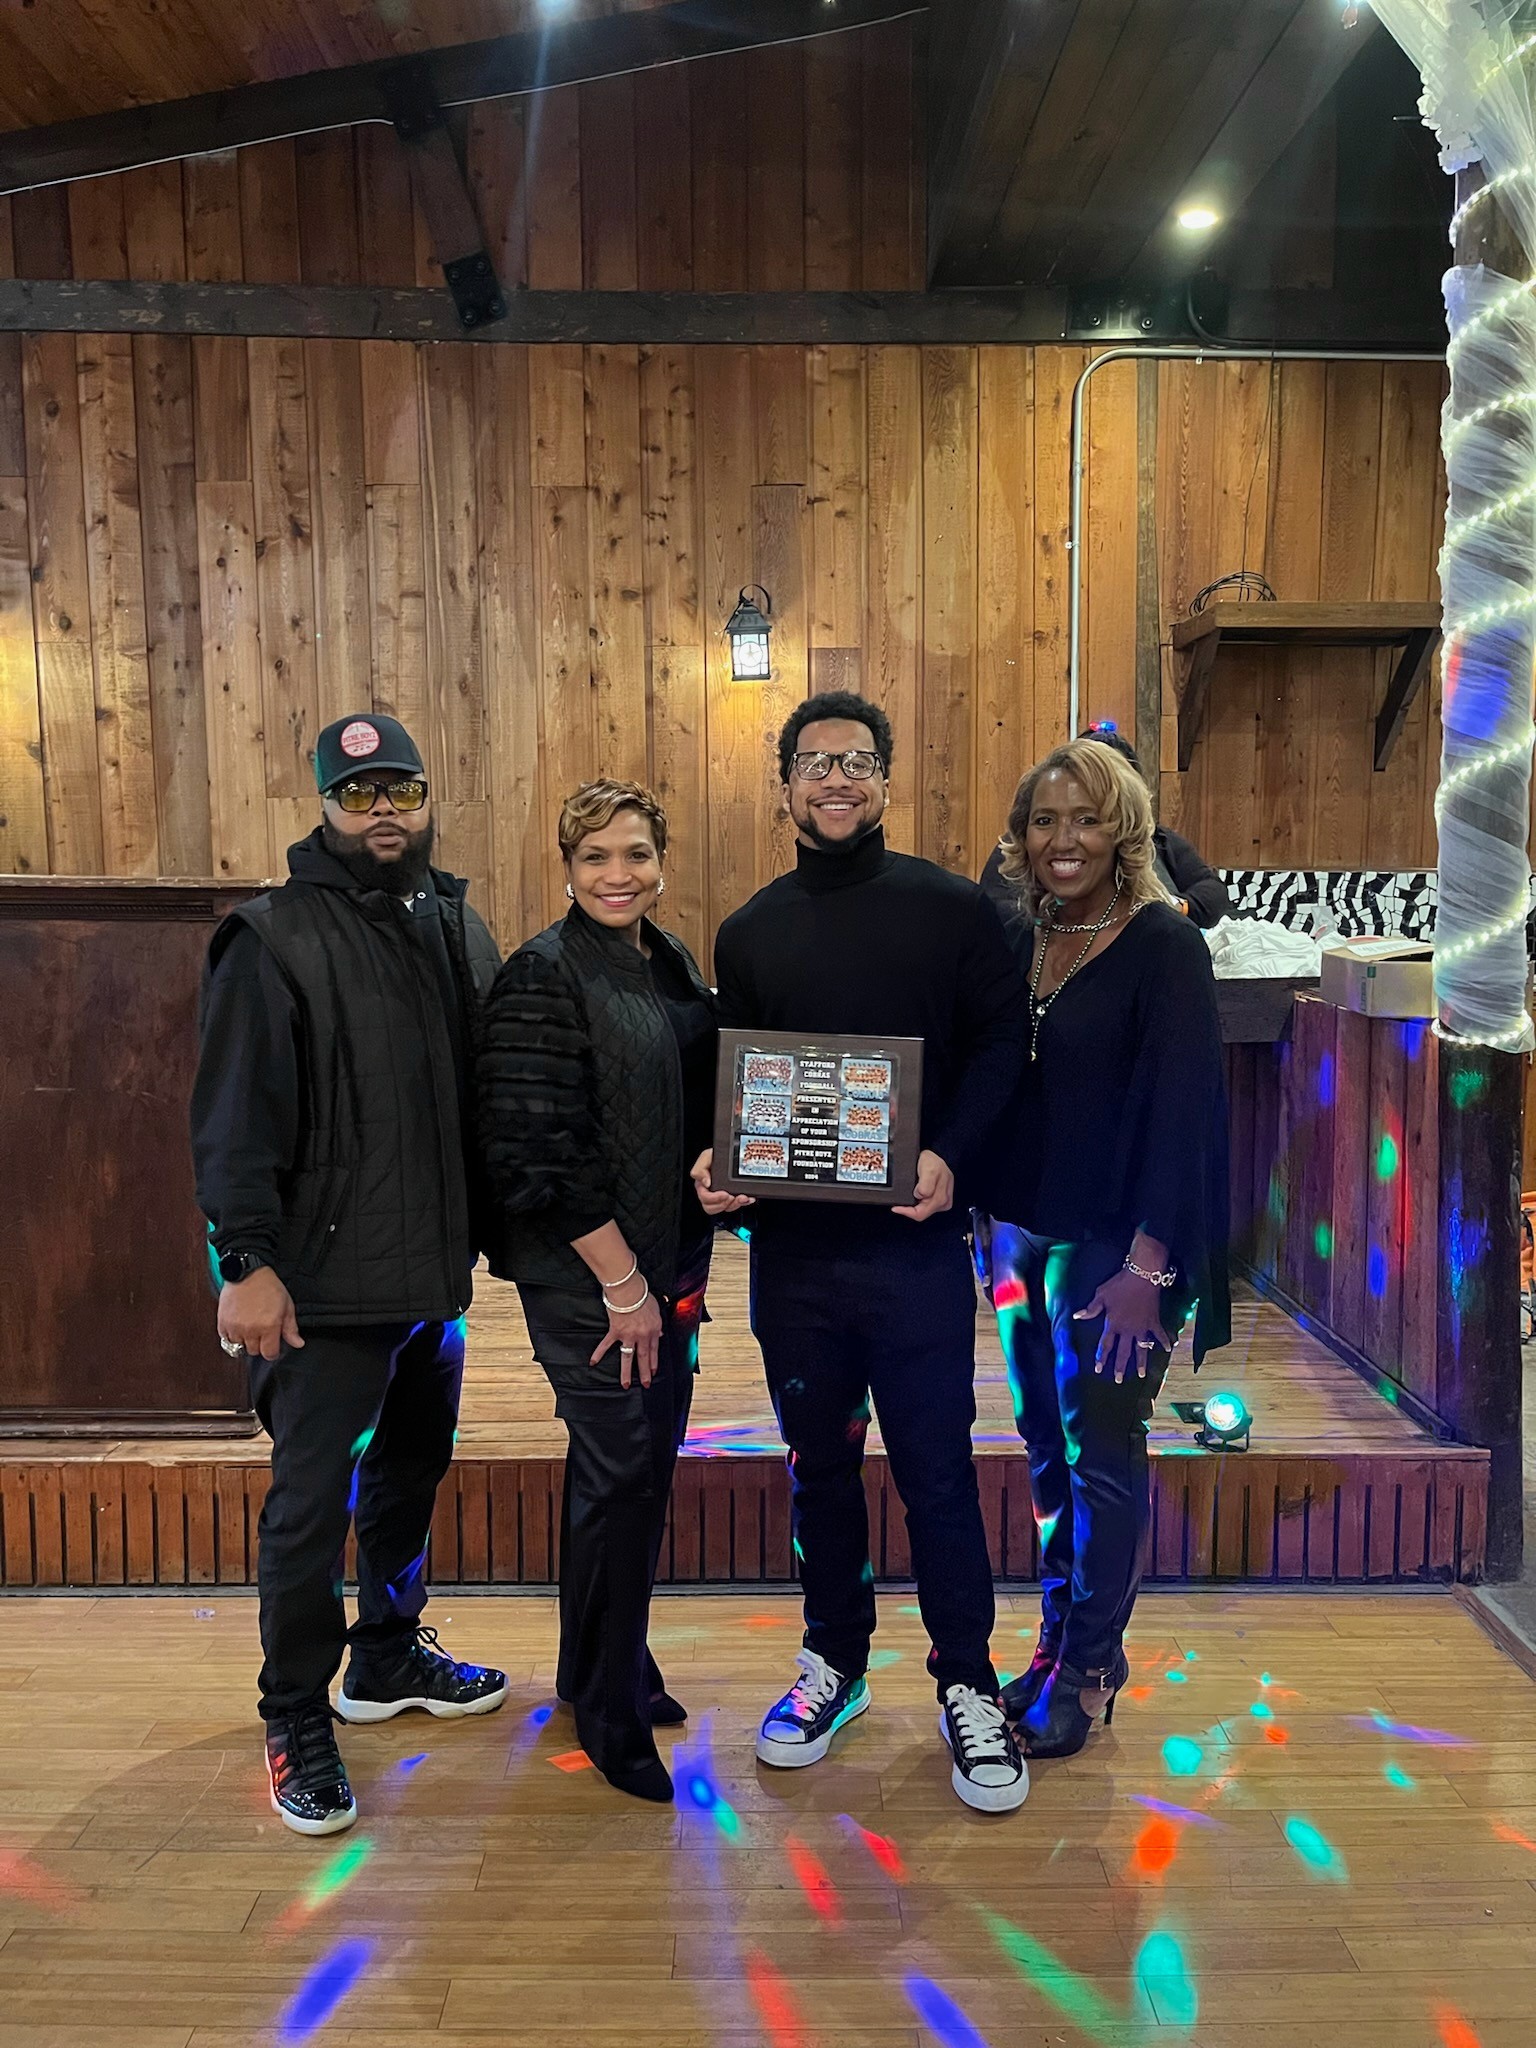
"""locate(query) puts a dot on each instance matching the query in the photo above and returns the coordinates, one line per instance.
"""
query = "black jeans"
(1087, 1440)
(361, 1422)
(618, 1479)
(894, 1318)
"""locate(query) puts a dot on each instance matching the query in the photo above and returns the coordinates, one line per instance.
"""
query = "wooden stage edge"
(1348, 1518)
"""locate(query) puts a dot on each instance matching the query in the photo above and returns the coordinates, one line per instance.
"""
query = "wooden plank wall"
(1336, 1181)
(1297, 1519)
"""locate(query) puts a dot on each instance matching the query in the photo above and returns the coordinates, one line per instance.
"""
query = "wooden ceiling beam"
(498, 68)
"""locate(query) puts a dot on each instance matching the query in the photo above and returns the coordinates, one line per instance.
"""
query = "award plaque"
(825, 1119)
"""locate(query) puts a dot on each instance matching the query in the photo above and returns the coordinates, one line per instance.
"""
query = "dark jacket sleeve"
(988, 1044)
(1173, 1164)
(1200, 886)
(538, 1136)
(246, 1095)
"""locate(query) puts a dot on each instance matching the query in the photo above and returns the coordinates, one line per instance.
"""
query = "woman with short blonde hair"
(1109, 1206)
(596, 1073)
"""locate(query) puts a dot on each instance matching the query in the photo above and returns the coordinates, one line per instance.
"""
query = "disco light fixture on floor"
(1222, 1423)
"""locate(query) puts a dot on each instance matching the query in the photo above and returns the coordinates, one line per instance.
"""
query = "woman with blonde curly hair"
(1109, 1206)
(596, 1074)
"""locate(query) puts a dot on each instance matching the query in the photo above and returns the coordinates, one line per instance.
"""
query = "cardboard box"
(1380, 977)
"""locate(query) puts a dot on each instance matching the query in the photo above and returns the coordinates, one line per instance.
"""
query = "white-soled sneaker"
(799, 1730)
(989, 1771)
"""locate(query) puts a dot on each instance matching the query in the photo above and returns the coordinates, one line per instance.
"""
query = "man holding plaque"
(854, 1297)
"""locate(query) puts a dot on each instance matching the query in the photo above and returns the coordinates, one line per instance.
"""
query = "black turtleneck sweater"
(873, 941)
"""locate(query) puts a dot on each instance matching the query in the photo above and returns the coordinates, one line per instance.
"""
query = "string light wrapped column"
(1472, 56)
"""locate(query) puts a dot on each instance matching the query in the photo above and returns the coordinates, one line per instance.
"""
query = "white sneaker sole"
(337, 1824)
(386, 1710)
(795, 1756)
(985, 1798)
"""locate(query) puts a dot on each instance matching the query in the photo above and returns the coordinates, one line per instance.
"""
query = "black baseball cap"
(366, 739)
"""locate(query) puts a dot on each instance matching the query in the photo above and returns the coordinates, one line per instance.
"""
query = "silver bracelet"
(1158, 1279)
(628, 1309)
(624, 1278)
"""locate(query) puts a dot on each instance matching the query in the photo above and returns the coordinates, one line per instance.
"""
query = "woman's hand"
(715, 1201)
(1132, 1312)
(636, 1331)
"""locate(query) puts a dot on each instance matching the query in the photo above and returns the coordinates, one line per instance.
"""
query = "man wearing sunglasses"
(853, 1302)
(330, 1127)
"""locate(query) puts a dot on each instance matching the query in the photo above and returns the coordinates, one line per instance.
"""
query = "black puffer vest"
(377, 1223)
(637, 1102)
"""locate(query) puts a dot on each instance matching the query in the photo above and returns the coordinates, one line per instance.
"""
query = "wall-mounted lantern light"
(747, 629)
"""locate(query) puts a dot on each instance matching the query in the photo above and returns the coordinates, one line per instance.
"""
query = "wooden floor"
(1332, 1878)
(1303, 1398)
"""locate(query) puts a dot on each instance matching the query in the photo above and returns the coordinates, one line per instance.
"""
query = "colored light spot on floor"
(1277, 1735)
(1071, 1994)
(1505, 1833)
(1314, 1849)
(1455, 2032)
(1138, 1692)
(1155, 1848)
(323, 1990)
(1164, 1975)
(1191, 1656)
(1395, 1775)
(1184, 1813)
(774, 2001)
(24, 1879)
(1265, 1679)
(541, 1716)
(572, 1760)
(940, 2014)
(1435, 1738)
(882, 1660)
(1262, 1711)
(701, 1792)
(1177, 1677)
(911, 1607)
(880, 1847)
(336, 1874)
(1181, 1756)
(813, 1879)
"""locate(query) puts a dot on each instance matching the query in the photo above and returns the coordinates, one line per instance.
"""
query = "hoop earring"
(570, 892)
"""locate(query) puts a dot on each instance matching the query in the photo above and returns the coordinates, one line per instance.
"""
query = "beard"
(854, 839)
(398, 877)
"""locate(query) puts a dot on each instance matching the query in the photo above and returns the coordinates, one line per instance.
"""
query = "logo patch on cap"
(359, 738)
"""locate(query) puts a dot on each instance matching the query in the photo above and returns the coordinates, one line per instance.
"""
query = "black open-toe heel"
(1020, 1693)
(1057, 1724)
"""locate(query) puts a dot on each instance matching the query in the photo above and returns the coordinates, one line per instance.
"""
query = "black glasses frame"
(391, 790)
(801, 763)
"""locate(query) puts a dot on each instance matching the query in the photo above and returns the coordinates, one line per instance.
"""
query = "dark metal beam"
(443, 194)
(353, 93)
(660, 318)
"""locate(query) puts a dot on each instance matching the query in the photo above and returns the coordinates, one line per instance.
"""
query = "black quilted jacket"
(580, 1104)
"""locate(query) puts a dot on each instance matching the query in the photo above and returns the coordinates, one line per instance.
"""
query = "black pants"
(1087, 1440)
(361, 1422)
(618, 1479)
(896, 1319)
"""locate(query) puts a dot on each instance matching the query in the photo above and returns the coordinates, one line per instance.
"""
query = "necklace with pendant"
(1038, 1004)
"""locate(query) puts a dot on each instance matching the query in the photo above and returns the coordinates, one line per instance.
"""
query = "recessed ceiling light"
(1195, 220)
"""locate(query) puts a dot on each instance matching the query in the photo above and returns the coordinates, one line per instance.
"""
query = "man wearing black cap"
(330, 1120)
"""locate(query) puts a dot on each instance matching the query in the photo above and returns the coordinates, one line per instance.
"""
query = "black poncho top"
(1120, 1124)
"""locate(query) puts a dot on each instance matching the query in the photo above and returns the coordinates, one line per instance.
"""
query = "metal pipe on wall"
(1181, 352)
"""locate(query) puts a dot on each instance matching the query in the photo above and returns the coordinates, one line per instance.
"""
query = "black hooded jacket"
(330, 1126)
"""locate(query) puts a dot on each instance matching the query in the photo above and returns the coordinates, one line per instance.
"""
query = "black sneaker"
(309, 1785)
(799, 1730)
(420, 1674)
(989, 1773)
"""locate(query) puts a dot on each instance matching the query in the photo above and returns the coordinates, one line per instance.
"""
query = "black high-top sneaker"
(309, 1785)
(419, 1674)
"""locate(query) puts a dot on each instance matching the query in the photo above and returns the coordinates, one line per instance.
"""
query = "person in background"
(330, 1115)
(849, 1301)
(597, 1074)
(1109, 1208)
(1192, 887)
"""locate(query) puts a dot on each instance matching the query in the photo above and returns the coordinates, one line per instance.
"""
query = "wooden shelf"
(1197, 641)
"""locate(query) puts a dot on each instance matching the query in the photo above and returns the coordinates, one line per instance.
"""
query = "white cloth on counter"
(1248, 949)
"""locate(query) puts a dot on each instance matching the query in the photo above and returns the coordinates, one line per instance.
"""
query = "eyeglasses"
(362, 796)
(858, 764)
